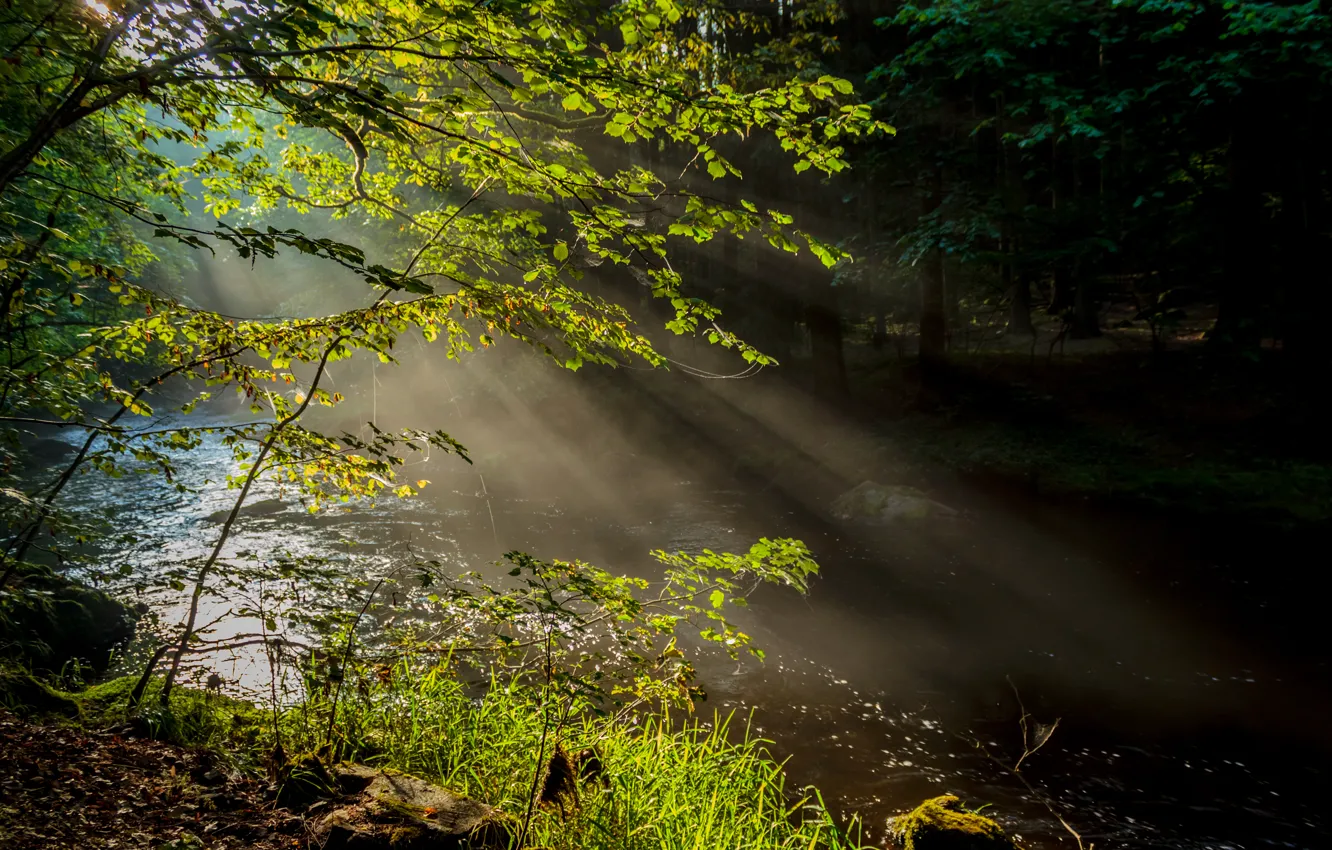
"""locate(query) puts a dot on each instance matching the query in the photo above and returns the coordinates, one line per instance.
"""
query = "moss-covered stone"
(887, 503)
(48, 620)
(942, 824)
(393, 810)
(197, 718)
(263, 507)
(44, 451)
(26, 694)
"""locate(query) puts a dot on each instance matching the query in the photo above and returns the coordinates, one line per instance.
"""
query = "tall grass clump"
(667, 781)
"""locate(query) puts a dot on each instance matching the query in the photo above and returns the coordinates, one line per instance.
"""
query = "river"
(1191, 714)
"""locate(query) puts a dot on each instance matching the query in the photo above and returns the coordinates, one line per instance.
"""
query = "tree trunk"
(1019, 290)
(1306, 291)
(880, 336)
(1237, 322)
(933, 323)
(1086, 322)
(771, 310)
(825, 336)
(953, 299)
(730, 192)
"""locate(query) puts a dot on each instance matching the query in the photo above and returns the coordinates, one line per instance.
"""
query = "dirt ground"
(65, 787)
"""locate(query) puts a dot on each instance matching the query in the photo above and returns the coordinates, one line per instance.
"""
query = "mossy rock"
(24, 693)
(394, 810)
(47, 621)
(942, 824)
(44, 451)
(887, 503)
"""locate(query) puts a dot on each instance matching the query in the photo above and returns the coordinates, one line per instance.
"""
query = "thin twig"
(1013, 769)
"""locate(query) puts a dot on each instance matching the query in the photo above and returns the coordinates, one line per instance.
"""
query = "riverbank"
(210, 771)
(1175, 434)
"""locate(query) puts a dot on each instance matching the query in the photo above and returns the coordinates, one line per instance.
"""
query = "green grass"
(671, 784)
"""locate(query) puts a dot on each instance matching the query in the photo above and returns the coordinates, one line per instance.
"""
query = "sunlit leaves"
(598, 637)
(454, 126)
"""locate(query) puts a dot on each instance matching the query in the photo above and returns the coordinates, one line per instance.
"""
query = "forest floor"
(65, 786)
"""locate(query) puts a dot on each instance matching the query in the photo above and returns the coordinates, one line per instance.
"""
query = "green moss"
(197, 718)
(49, 621)
(942, 824)
(194, 718)
(24, 693)
(108, 694)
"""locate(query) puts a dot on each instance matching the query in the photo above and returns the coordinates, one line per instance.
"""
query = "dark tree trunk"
(953, 300)
(1086, 311)
(1238, 308)
(825, 336)
(880, 337)
(770, 311)
(1019, 290)
(731, 242)
(1306, 290)
(933, 322)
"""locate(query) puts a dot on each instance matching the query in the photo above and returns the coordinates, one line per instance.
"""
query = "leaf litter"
(65, 787)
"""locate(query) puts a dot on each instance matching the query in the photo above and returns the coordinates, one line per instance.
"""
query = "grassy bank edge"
(671, 781)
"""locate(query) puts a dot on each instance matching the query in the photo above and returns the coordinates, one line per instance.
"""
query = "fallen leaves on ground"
(64, 787)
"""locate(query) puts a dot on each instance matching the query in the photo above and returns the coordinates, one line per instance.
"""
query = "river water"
(1190, 715)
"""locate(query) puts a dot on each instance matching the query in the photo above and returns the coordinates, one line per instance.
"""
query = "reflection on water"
(1176, 731)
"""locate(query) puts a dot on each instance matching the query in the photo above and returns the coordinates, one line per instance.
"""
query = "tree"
(462, 127)
(1096, 147)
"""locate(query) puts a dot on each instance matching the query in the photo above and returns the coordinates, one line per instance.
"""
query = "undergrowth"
(193, 718)
(670, 782)
(1123, 466)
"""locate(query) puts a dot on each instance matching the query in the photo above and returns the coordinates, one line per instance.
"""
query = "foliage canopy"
(480, 145)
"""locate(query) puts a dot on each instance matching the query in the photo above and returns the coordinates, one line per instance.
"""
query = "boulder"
(49, 620)
(26, 694)
(263, 507)
(887, 503)
(942, 824)
(385, 809)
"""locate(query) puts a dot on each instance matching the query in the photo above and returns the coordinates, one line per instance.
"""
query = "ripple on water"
(876, 752)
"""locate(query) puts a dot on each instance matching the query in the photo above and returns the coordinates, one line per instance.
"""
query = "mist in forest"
(945, 610)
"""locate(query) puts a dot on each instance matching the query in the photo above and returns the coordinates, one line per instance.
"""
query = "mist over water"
(1156, 645)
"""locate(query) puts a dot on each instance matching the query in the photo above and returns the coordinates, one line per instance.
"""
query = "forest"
(663, 423)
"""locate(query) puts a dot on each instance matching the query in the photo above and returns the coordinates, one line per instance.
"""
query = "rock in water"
(942, 824)
(887, 503)
(44, 451)
(261, 508)
(394, 810)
